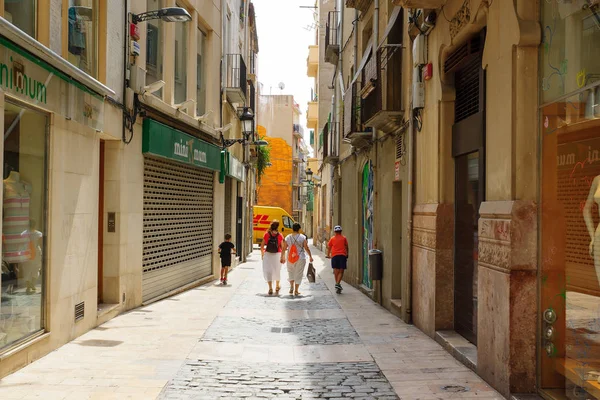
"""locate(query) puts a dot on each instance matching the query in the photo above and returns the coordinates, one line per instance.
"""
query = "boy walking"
(225, 250)
(337, 250)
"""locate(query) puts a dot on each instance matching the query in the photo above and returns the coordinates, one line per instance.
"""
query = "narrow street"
(238, 342)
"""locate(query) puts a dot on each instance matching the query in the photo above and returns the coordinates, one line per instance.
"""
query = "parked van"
(264, 215)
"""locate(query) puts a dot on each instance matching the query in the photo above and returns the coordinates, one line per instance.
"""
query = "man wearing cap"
(337, 250)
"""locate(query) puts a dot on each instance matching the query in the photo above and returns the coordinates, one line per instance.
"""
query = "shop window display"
(570, 195)
(23, 222)
(83, 27)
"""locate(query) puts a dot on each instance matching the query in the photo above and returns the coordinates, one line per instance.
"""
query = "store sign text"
(14, 79)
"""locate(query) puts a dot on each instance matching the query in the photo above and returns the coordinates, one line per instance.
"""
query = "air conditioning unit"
(419, 3)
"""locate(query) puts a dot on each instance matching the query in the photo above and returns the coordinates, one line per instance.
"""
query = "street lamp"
(169, 14)
(309, 174)
(246, 117)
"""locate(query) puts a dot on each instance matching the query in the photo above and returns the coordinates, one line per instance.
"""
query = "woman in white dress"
(270, 250)
(297, 246)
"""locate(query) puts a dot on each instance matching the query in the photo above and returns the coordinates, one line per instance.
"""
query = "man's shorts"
(225, 263)
(339, 262)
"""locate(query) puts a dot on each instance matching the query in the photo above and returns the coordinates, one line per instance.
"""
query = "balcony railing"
(298, 130)
(331, 142)
(332, 45)
(235, 78)
(382, 90)
(352, 109)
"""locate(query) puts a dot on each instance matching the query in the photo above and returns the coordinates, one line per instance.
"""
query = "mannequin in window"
(15, 225)
(33, 267)
(593, 197)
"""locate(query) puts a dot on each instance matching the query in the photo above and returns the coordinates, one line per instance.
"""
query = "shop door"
(367, 218)
(468, 150)
(570, 255)
(101, 225)
(178, 226)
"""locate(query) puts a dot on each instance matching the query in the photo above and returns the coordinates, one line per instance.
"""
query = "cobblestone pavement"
(307, 381)
(274, 331)
(235, 342)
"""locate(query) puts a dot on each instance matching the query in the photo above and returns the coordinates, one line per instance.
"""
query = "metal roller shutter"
(228, 199)
(178, 226)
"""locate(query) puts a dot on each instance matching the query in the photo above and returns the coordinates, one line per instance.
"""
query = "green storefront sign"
(232, 167)
(164, 141)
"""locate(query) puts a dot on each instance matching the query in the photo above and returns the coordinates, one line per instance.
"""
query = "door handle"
(549, 316)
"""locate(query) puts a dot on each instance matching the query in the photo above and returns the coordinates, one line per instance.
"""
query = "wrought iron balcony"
(353, 129)
(298, 130)
(360, 5)
(332, 45)
(381, 93)
(331, 143)
(235, 78)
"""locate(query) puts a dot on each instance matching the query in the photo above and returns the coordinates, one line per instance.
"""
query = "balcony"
(419, 3)
(235, 78)
(312, 115)
(312, 62)
(298, 131)
(252, 67)
(360, 5)
(331, 143)
(353, 130)
(332, 45)
(381, 94)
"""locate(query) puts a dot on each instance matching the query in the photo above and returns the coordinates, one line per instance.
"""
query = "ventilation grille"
(458, 56)
(400, 147)
(468, 90)
(79, 311)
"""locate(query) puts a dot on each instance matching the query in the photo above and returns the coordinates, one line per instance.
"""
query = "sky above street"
(284, 33)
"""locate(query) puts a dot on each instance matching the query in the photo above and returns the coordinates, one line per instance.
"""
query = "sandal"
(277, 290)
(291, 290)
(297, 294)
(270, 291)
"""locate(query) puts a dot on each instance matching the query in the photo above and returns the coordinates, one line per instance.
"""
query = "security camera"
(153, 87)
(203, 118)
(429, 22)
(224, 129)
(185, 105)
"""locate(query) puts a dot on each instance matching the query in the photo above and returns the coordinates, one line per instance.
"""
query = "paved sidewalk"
(238, 342)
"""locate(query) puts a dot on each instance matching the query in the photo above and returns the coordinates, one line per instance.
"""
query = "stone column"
(507, 309)
(433, 268)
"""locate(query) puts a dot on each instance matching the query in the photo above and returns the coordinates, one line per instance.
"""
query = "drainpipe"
(337, 99)
(407, 300)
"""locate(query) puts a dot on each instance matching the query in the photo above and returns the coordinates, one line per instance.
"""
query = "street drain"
(281, 330)
(455, 389)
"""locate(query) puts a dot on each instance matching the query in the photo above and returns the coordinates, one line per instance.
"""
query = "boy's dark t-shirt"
(226, 248)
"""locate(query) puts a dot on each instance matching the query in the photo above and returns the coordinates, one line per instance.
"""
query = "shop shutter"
(228, 199)
(178, 226)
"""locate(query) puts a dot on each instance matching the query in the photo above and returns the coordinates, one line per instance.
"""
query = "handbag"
(311, 273)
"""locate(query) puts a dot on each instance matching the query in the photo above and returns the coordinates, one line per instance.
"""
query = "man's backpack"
(293, 255)
(273, 243)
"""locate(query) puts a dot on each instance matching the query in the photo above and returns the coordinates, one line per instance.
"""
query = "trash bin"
(376, 262)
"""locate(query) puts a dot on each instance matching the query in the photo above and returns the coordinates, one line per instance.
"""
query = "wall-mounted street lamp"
(247, 119)
(169, 14)
(309, 174)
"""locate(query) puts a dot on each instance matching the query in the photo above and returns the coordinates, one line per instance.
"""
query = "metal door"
(468, 150)
(178, 226)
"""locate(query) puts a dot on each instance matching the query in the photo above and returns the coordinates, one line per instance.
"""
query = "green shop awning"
(232, 167)
(167, 142)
